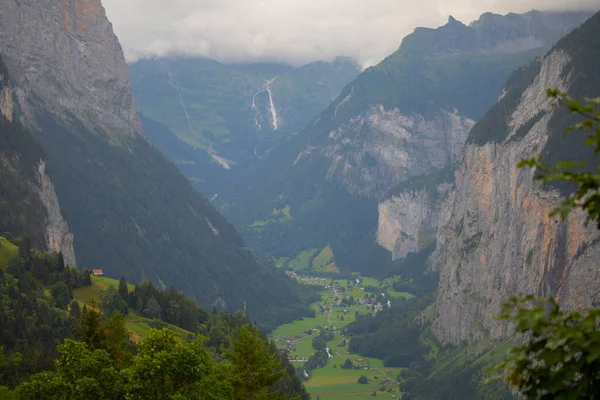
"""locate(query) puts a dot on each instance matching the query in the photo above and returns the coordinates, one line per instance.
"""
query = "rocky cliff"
(58, 235)
(65, 52)
(407, 116)
(408, 220)
(22, 165)
(495, 235)
(490, 34)
(130, 211)
(373, 151)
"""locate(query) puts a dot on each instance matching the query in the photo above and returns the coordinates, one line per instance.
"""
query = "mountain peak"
(452, 20)
(75, 65)
(494, 32)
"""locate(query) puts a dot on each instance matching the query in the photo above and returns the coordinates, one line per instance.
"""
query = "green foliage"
(254, 367)
(561, 356)
(61, 295)
(81, 373)
(166, 367)
(123, 289)
(30, 326)
(391, 335)
(348, 364)
(7, 251)
(112, 301)
(587, 192)
(108, 334)
(105, 190)
(74, 310)
(152, 309)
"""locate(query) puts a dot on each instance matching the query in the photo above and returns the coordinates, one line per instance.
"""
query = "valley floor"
(332, 381)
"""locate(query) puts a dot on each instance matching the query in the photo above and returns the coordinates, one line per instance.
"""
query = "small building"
(97, 272)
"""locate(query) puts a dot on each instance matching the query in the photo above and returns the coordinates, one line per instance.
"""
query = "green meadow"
(137, 325)
(333, 382)
(7, 251)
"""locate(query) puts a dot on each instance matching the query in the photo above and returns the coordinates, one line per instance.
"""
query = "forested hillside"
(407, 116)
(89, 349)
(214, 120)
(132, 213)
(28, 202)
(449, 338)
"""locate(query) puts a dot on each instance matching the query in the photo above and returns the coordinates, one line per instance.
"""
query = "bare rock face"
(408, 221)
(58, 235)
(50, 220)
(6, 101)
(72, 61)
(375, 150)
(495, 235)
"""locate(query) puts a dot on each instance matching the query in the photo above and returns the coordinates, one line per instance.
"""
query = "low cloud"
(292, 31)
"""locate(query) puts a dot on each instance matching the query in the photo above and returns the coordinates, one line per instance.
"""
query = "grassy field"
(99, 285)
(325, 261)
(302, 260)
(332, 382)
(7, 251)
(136, 324)
(279, 216)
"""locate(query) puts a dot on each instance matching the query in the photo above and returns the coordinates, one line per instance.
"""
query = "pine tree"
(123, 289)
(74, 309)
(254, 367)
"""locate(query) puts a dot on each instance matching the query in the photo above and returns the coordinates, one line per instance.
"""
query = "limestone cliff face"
(6, 99)
(72, 61)
(375, 150)
(408, 221)
(49, 219)
(495, 235)
(58, 235)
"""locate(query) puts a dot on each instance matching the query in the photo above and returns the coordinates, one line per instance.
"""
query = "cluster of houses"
(297, 359)
(334, 286)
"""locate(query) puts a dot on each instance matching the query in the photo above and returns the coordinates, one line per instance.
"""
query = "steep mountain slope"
(212, 119)
(496, 237)
(408, 116)
(131, 211)
(28, 203)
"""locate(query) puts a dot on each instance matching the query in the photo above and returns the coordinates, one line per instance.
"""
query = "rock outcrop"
(131, 212)
(496, 237)
(491, 33)
(72, 61)
(58, 235)
(408, 220)
(6, 99)
(374, 151)
(41, 218)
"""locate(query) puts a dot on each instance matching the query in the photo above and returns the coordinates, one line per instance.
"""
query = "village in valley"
(342, 301)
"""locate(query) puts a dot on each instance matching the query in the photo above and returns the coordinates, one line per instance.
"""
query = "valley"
(231, 218)
(342, 302)
(138, 326)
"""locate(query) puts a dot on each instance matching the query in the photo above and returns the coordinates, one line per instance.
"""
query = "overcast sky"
(293, 31)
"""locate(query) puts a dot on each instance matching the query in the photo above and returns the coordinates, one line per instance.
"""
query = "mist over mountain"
(129, 210)
(407, 116)
(214, 120)
(379, 216)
